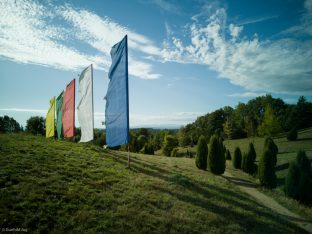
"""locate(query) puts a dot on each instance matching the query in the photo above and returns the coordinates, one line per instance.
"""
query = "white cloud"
(247, 94)
(23, 110)
(30, 34)
(25, 37)
(280, 66)
(235, 30)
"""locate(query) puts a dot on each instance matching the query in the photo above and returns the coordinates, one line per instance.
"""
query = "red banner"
(68, 109)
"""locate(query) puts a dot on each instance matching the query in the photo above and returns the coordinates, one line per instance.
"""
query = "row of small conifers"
(298, 182)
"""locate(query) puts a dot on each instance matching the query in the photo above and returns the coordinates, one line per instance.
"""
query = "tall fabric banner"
(117, 100)
(85, 106)
(50, 119)
(59, 124)
(68, 109)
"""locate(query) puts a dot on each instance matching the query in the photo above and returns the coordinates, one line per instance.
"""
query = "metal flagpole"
(128, 155)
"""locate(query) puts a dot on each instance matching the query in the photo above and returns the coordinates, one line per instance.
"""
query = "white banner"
(85, 106)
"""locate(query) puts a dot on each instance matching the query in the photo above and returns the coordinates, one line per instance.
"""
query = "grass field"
(63, 187)
(287, 152)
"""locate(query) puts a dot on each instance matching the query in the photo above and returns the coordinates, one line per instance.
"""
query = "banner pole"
(128, 156)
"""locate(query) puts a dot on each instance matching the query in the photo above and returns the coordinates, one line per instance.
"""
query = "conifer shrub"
(201, 155)
(237, 158)
(270, 145)
(228, 155)
(248, 162)
(298, 182)
(266, 170)
(216, 159)
(292, 135)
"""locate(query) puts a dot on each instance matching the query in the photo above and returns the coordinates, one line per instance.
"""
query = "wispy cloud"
(177, 118)
(166, 5)
(9, 110)
(279, 66)
(34, 33)
(247, 94)
(305, 26)
(257, 20)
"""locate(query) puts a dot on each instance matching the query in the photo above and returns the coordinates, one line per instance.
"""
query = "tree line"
(261, 116)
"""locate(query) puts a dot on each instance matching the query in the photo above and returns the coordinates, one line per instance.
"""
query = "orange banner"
(68, 109)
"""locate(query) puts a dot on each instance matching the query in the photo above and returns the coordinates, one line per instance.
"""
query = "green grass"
(287, 152)
(63, 187)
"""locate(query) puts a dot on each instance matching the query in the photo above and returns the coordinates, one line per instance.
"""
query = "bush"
(237, 159)
(298, 182)
(228, 155)
(174, 152)
(170, 143)
(292, 135)
(201, 155)
(216, 159)
(266, 170)
(248, 164)
(270, 145)
(148, 148)
(36, 125)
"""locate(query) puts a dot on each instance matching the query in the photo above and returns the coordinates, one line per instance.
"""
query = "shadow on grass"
(282, 167)
(208, 192)
(240, 182)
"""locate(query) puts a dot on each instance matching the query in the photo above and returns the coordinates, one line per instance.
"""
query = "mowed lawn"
(49, 186)
(287, 151)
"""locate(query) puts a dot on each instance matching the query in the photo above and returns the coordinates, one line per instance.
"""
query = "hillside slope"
(57, 186)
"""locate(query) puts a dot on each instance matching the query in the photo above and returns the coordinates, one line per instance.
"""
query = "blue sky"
(186, 58)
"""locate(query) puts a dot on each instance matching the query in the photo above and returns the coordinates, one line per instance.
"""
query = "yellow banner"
(50, 126)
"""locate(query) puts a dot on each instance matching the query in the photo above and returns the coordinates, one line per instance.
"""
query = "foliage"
(270, 124)
(170, 143)
(237, 158)
(141, 141)
(148, 148)
(174, 152)
(36, 125)
(216, 159)
(9, 124)
(248, 162)
(298, 182)
(184, 138)
(266, 170)
(265, 114)
(99, 138)
(292, 135)
(202, 152)
(270, 145)
(228, 155)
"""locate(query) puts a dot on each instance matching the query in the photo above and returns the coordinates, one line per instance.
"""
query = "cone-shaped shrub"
(248, 164)
(298, 182)
(266, 170)
(292, 135)
(202, 151)
(216, 159)
(228, 155)
(270, 145)
(237, 158)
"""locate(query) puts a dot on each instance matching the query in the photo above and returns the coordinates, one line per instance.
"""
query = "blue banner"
(117, 97)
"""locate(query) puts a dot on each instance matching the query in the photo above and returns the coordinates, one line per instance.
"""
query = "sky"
(186, 57)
